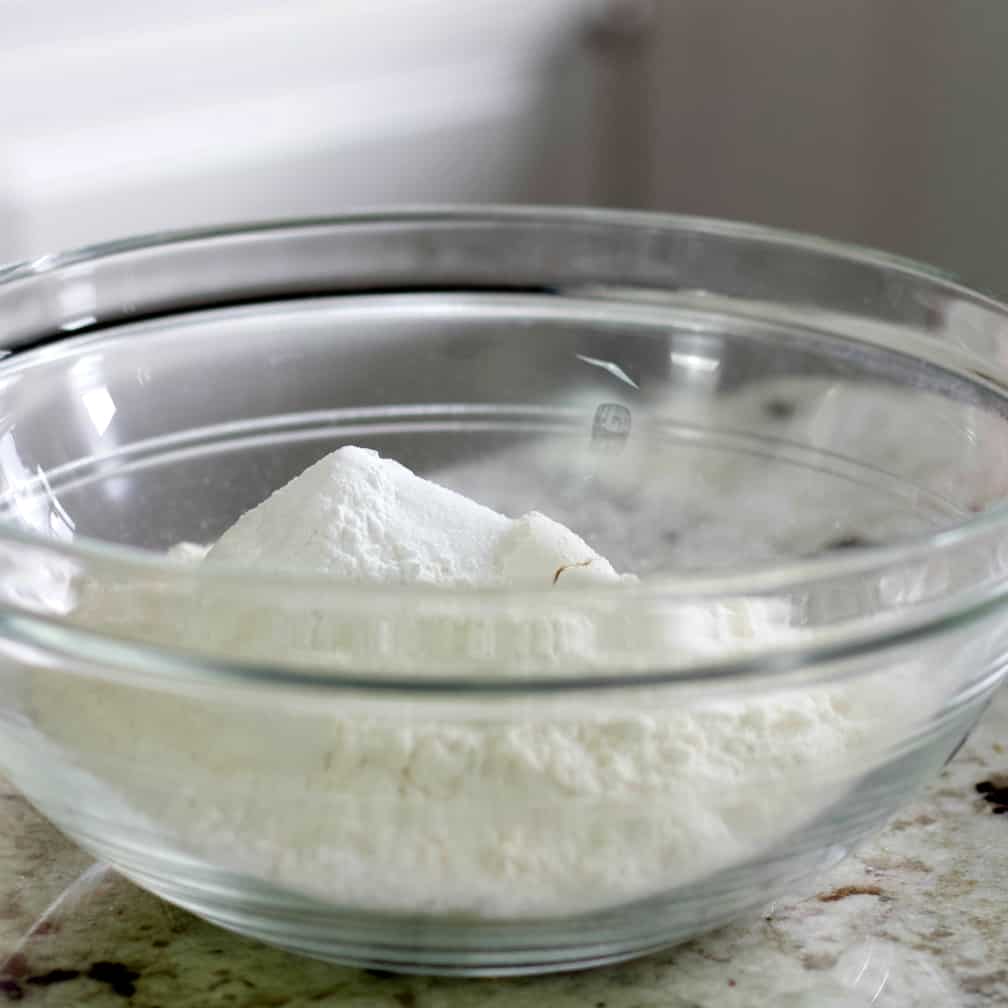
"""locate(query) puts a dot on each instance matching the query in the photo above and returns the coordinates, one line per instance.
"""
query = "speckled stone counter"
(920, 918)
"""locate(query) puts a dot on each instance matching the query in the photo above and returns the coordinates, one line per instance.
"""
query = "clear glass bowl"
(754, 422)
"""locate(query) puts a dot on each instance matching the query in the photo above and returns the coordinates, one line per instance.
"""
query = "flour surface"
(413, 806)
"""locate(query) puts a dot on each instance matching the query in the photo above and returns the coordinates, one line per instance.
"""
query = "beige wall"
(879, 121)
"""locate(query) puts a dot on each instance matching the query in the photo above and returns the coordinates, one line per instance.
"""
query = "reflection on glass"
(694, 362)
(611, 366)
(100, 407)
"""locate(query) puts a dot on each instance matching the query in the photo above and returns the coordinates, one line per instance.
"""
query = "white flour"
(526, 810)
(357, 516)
(360, 518)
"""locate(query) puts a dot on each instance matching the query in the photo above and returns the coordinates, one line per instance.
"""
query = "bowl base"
(418, 958)
(471, 947)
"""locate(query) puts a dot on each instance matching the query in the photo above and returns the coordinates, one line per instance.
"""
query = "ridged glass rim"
(751, 580)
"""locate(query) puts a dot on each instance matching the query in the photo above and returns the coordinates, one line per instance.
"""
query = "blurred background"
(884, 123)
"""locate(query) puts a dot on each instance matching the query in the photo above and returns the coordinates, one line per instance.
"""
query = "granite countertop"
(919, 919)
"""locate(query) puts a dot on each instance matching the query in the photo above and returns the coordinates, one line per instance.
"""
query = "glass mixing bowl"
(763, 426)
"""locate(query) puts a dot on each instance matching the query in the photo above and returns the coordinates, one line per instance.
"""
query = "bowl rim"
(752, 580)
(443, 213)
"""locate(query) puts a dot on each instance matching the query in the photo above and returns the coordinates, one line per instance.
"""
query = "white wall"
(125, 117)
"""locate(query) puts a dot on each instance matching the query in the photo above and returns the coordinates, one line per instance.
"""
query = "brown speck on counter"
(11, 991)
(995, 791)
(849, 890)
(922, 820)
(815, 961)
(119, 977)
(15, 967)
(984, 982)
(53, 977)
(406, 998)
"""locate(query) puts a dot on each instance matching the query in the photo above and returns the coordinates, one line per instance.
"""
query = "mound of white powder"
(505, 810)
(356, 516)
